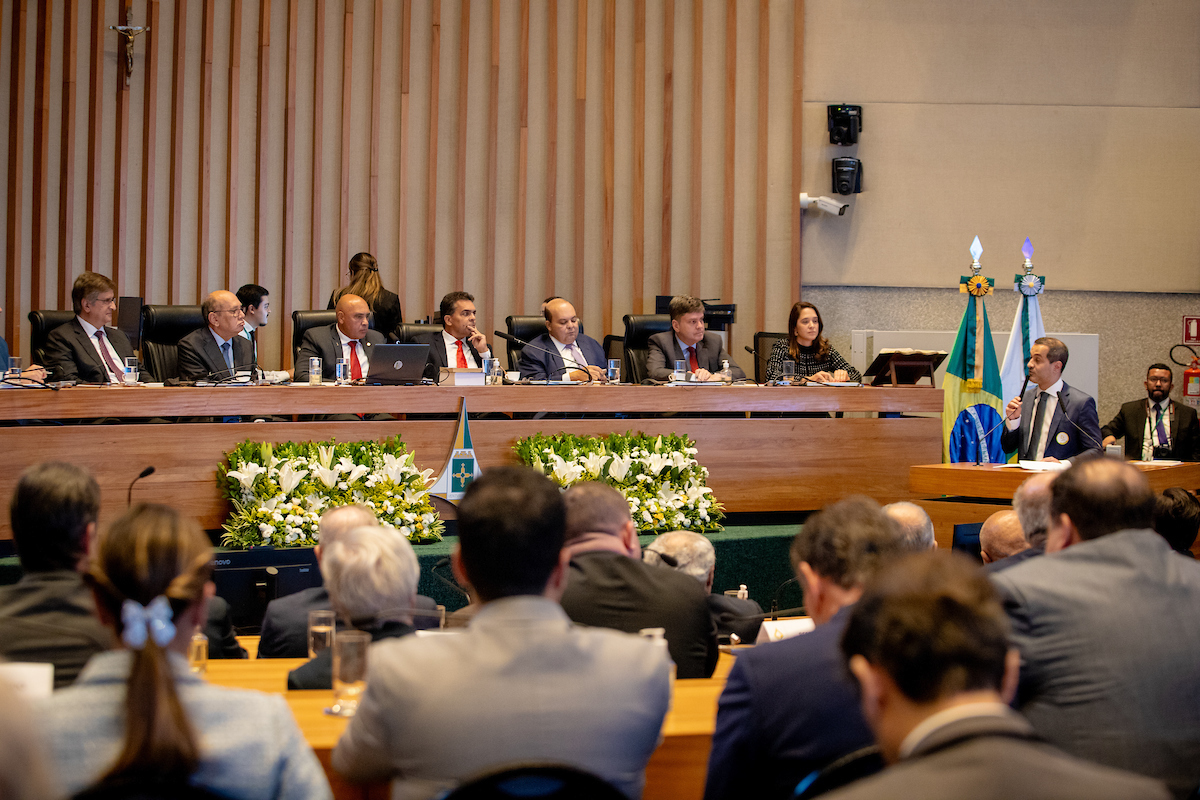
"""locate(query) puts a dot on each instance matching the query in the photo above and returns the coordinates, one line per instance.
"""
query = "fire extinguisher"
(1191, 376)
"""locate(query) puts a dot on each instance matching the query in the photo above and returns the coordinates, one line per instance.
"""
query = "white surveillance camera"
(826, 204)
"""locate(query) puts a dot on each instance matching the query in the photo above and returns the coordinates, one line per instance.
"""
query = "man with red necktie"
(459, 344)
(350, 338)
(88, 349)
(688, 341)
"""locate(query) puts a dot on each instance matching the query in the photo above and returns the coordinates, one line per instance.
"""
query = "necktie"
(1039, 423)
(577, 356)
(1161, 412)
(461, 362)
(116, 371)
(695, 365)
(227, 352)
(355, 367)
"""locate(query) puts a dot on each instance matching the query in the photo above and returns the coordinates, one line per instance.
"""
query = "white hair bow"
(154, 619)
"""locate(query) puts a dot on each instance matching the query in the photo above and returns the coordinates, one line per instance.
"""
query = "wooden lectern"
(904, 367)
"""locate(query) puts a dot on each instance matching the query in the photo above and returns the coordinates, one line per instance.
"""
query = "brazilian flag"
(972, 385)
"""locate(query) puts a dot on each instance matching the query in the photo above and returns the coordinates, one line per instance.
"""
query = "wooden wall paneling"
(233, 90)
(489, 264)
(460, 218)
(551, 144)
(204, 202)
(261, 135)
(609, 79)
(289, 161)
(148, 272)
(402, 168)
(347, 108)
(39, 233)
(66, 171)
(376, 125)
(730, 147)
(668, 124)
(175, 206)
(797, 143)
(95, 119)
(431, 198)
(16, 149)
(760, 176)
(638, 254)
(696, 189)
(318, 148)
(522, 161)
(120, 221)
(580, 154)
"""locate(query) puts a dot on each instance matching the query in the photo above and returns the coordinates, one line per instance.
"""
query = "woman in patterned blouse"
(815, 358)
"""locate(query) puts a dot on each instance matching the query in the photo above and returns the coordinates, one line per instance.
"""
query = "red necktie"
(116, 371)
(692, 359)
(355, 366)
(461, 363)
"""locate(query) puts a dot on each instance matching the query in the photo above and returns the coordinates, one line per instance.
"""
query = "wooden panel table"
(780, 462)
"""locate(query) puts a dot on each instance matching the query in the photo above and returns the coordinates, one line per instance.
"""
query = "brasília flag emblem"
(461, 467)
(1027, 326)
(973, 406)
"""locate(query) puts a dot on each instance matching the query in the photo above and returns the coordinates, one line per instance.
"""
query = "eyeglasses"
(237, 310)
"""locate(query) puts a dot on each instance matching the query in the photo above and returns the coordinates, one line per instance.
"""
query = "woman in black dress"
(365, 282)
(815, 358)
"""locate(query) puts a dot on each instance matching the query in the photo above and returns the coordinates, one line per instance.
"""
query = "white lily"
(566, 473)
(593, 464)
(325, 475)
(427, 476)
(290, 477)
(657, 462)
(618, 468)
(325, 455)
(394, 468)
(247, 474)
(669, 497)
(355, 472)
(413, 496)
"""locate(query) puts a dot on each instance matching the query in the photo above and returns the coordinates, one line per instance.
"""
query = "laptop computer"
(397, 364)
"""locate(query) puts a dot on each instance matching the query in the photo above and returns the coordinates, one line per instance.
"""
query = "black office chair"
(763, 342)
(614, 347)
(40, 325)
(638, 330)
(524, 327)
(145, 788)
(842, 772)
(539, 781)
(162, 328)
(302, 321)
(407, 331)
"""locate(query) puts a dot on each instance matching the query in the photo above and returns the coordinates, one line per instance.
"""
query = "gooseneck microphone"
(517, 340)
(775, 382)
(1062, 404)
(143, 474)
(441, 564)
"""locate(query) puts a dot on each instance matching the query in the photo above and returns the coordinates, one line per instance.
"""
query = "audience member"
(1107, 629)
(371, 573)
(1001, 537)
(914, 525)
(138, 714)
(789, 707)
(1177, 518)
(1031, 502)
(348, 338)
(24, 771)
(611, 587)
(694, 555)
(562, 352)
(365, 283)
(285, 622)
(88, 349)
(1062, 421)
(521, 683)
(217, 351)
(32, 372)
(49, 614)
(688, 341)
(458, 344)
(928, 645)
(1156, 426)
(256, 311)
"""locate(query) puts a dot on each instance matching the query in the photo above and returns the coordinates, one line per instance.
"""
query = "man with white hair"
(914, 524)
(1031, 503)
(694, 555)
(371, 573)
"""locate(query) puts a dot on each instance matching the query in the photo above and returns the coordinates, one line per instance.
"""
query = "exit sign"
(1191, 330)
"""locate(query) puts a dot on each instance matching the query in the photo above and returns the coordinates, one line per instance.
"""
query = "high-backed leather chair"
(302, 321)
(638, 330)
(40, 325)
(406, 331)
(763, 342)
(162, 328)
(527, 327)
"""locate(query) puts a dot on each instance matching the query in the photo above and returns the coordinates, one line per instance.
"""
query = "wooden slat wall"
(177, 229)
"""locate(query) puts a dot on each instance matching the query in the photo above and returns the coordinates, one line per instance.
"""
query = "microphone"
(523, 343)
(774, 612)
(29, 383)
(143, 474)
(775, 382)
(445, 562)
(1062, 404)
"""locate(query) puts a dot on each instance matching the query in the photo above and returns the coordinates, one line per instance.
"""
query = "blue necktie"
(1159, 427)
(227, 351)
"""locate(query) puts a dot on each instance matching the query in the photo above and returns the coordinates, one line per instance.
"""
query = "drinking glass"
(680, 373)
(342, 371)
(349, 671)
(14, 368)
(321, 626)
(131, 371)
(789, 373)
(198, 653)
(489, 369)
(614, 370)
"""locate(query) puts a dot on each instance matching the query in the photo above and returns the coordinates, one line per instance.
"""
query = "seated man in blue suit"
(1063, 422)
(562, 352)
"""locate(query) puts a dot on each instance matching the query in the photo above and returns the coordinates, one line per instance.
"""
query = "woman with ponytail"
(365, 282)
(137, 716)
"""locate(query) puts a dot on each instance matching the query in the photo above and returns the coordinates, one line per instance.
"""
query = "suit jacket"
(318, 672)
(521, 684)
(437, 353)
(284, 632)
(385, 314)
(51, 616)
(200, 358)
(222, 638)
(1013, 560)
(250, 745)
(73, 357)
(611, 590)
(1109, 643)
(734, 615)
(997, 758)
(1080, 408)
(710, 352)
(788, 708)
(539, 366)
(326, 344)
(1130, 423)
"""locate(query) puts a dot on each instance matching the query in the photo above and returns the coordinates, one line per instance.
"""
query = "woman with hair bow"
(365, 282)
(137, 717)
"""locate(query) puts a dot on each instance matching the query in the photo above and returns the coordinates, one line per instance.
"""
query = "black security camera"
(847, 175)
(845, 123)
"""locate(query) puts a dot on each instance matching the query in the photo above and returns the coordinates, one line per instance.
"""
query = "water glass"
(131, 371)
(350, 650)
(198, 653)
(14, 368)
(321, 626)
(490, 366)
(614, 370)
(680, 373)
(789, 373)
(342, 371)
(314, 371)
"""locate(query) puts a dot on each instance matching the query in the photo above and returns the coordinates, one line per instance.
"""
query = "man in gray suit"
(688, 341)
(217, 351)
(1108, 631)
(928, 644)
(521, 684)
(350, 338)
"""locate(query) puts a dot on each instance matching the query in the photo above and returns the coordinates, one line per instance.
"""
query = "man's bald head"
(1001, 536)
(914, 524)
(223, 313)
(1098, 496)
(353, 316)
(1031, 501)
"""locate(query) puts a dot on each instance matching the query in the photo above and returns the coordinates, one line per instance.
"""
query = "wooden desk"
(777, 463)
(676, 770)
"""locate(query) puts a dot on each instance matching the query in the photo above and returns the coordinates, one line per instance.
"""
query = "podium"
(904, 367)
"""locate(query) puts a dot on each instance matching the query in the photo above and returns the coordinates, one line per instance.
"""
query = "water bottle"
(726, 374)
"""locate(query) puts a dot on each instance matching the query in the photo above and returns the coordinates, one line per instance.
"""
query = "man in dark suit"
(928, 645)
(610, 586)
(88, 349)
(688, 341)
(49, 615)
(562, 352)
(1063, 423)
(350, 338)
(1156, 427)
(217, 352)
(1107, 629)
(256, 312)
(789, 707)
(458, 344)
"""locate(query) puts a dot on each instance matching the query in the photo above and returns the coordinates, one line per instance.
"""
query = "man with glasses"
(217, 352)
(1156, 426)
(88, 349)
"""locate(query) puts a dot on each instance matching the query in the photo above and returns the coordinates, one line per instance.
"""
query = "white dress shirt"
(362, 351)
(90, 330)
(452, 351)
(570, 359)
(1051, 404)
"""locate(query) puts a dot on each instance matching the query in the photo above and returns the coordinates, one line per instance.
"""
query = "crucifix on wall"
(129, 32)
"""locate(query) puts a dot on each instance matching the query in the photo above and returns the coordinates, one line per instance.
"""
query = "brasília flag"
(1027, 326)
(973, 405)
